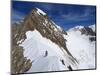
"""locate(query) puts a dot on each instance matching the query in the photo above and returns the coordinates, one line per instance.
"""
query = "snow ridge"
(39, 11)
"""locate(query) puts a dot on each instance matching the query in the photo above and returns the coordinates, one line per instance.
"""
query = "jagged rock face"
(92, 39)
(45, 26)
(87, 31)
(19, 63)
(90, 32)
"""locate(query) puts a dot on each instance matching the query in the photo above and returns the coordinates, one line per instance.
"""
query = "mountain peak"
(86, 30)
(42, 34)
(79, 27)
(92, 27)
(39, 11)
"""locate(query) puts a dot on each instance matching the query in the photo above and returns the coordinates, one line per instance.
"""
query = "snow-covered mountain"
(81, 43)
(47, 47)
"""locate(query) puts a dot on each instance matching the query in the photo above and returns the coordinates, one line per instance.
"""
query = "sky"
(64, 15)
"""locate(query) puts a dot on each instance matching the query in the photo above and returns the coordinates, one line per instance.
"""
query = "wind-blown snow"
(81, 48)
(45, 54)
(40, 11)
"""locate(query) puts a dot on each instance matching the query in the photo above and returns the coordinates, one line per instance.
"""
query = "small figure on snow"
(46, 53)
(62, 62)
(70, 68)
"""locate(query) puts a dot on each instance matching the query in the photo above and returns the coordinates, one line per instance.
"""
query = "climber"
(70, 68)
(46, 53)
(63, 62)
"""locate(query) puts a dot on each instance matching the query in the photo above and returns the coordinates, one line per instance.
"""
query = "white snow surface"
(40, 11)
(35, 46)
(78, 27)
(92, 27)
(46, 55)
(81, 48)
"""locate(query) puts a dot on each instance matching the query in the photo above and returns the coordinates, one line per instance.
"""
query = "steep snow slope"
(45, 54)
(43, 44)
(81, 48)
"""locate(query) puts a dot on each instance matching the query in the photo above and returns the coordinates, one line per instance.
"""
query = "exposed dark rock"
(92, 39)
(62, 62)
(70, 68)
(19, 63)
(87, 31)
(47, 29)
